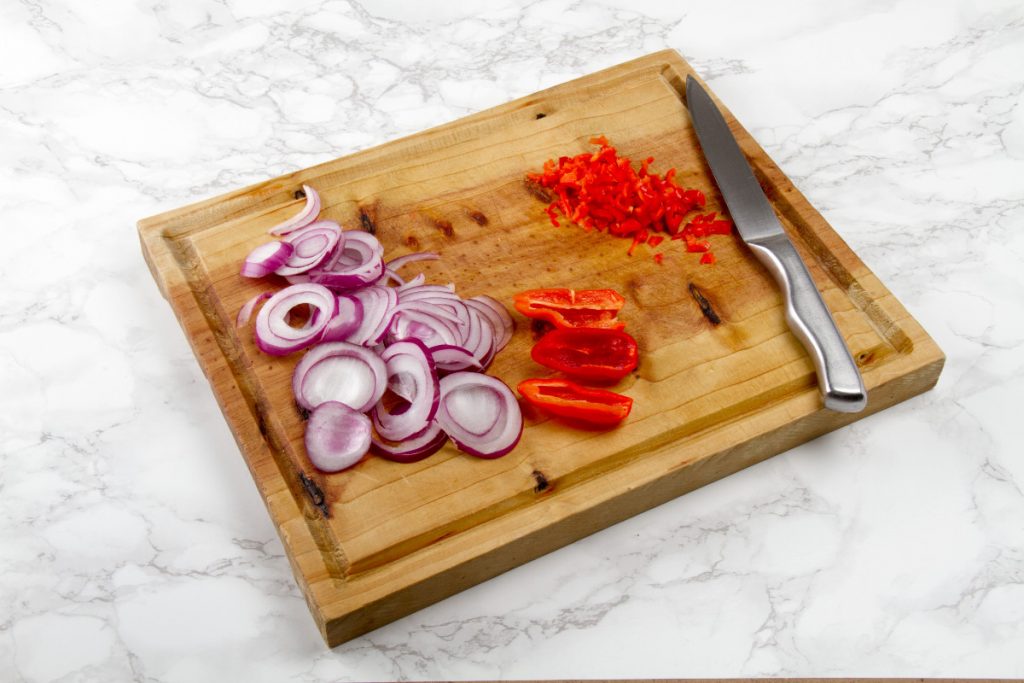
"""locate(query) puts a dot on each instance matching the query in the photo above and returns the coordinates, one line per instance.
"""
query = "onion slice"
(346, 321)
(410, 450)
(266, 258)
(337, 437)
(378, 303)
(358, 261)
(411, 375)
(304, 217)
(274, 334)
(245, 312)
(396, 263)
(452, 358)
(480, 414)
(502, 321)
(313, 245)
(339, 372)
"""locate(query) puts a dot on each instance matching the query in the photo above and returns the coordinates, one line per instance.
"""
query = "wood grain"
(710, 397)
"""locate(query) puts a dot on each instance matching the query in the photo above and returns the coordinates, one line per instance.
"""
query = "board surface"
(373, 543)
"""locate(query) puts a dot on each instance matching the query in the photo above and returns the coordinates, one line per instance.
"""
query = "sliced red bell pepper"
(582, 405)
(591, 354)
(568, 308)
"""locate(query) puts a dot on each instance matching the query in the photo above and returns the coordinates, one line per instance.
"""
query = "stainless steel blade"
(748, 206)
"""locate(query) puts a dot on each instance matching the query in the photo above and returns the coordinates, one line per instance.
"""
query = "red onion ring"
(266, 258)
(304, 217)
(502, 322)
(480, 414)
(411, 450)
(453, 358)
(415, 282)
(358, 262)
(378, 303)
(345, 321)
(429, 329)
(396, 263)
(337, 437)
(245, 312)
(411, 375)
(341, 372)
(313, 245)
(276, 337)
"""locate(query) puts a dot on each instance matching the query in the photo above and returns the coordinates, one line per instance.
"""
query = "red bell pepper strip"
(589, 354)
(581, 405)
(567, 308)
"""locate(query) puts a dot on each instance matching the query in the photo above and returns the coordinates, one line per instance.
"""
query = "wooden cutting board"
(722, 385)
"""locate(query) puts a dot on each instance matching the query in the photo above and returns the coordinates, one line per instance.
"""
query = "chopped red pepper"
(568, 308)
(602, 191)
(590, 354)
(658, 258)
(589, 407)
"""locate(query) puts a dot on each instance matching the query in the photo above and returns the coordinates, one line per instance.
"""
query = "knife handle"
(809, 319)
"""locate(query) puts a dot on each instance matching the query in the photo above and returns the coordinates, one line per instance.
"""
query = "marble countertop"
(133, 544)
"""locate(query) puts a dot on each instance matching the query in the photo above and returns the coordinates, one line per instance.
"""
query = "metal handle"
(838, 377)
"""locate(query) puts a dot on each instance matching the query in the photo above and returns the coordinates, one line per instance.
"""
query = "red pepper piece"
(567, 308)
(594, 355)
(581, 405)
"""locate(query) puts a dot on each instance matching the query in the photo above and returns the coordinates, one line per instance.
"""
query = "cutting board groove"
(722, 384)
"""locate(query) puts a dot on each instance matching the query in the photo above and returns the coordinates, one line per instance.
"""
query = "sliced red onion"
(245, 312)
(341, 372)
(413, 283)
(313, 245)
(378, 303)
(346, 320)
(430, 329)
(337, 437)
(358, 262)
(411, 375)
(453, 358)
(432, 309)
(392, 276)
(395, 264)
(274, 334)
(484, 348)
(421, 291)
(266, 258)
(480, 414)
(304, 217)
(502, 321)
(410, 450)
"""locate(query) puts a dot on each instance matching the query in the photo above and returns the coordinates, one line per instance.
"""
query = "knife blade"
(839, 380)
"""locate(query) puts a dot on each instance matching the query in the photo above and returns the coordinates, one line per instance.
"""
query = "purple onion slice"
(411, 376)
(313, 245)
(305, 216)
(340, 372)
(266, 258)
(337, 437)
(480, 414)
(274, 334)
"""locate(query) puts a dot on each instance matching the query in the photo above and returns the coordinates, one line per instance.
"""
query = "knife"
(809, 318)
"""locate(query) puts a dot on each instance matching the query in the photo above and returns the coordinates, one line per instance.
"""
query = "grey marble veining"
(133, 545)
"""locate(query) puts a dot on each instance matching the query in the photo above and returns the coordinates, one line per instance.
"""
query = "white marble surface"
(133, 544)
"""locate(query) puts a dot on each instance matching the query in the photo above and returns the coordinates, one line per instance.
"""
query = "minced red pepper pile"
(602, 191)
